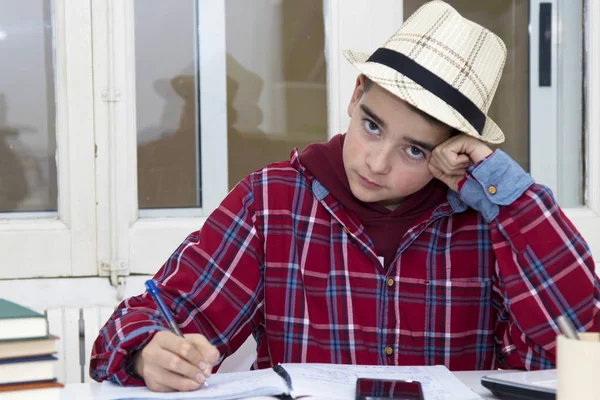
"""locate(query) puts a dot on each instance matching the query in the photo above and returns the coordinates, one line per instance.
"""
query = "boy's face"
(387, 146)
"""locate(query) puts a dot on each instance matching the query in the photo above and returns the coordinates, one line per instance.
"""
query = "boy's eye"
(415, 152)
(371, 127)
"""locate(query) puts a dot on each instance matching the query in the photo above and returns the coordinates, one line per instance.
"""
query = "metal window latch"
(118, 270)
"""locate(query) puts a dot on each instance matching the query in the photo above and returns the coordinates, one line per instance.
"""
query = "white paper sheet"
(339, 381)
(220, 386)
(324, 381)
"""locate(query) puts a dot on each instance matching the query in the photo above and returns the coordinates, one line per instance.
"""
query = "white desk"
(80, 391)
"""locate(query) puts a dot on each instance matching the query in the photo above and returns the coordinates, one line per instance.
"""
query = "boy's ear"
(359, 89)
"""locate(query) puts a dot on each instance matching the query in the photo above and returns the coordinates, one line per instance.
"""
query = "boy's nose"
(378, 161)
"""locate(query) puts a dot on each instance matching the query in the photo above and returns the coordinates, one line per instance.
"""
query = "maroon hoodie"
(384, 226)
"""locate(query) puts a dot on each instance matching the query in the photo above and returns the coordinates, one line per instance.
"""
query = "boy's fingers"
(174, 363)
(157, 387)
(193, 348)
(440, 160)
(451, 179)
(450, 166)
(449, 160)
(432, 165)
(435, 170)
(182, 347)
(173, 381)
(209, 353)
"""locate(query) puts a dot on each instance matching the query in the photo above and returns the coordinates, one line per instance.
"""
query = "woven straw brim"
(413, 93)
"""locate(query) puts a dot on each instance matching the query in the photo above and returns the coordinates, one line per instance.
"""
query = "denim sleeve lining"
(508, 179)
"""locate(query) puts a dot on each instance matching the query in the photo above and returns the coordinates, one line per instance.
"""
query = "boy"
(406, 241)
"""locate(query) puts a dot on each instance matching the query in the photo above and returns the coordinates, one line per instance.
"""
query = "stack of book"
(26, 349)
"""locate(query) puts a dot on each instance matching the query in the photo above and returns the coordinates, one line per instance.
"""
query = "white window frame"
(130, 241)
(587, 219)
(547, 161)
(85, 239)
(543, 126)
(553, 136)
(62, 243)
(354, 25)
(360, 26)
(141, 245)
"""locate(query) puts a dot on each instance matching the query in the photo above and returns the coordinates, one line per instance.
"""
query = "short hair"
(432, 120)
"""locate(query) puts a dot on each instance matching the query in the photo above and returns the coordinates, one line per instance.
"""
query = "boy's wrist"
(480, 152)
(133, 367)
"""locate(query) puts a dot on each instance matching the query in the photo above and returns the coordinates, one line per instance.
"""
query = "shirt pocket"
(458, 308)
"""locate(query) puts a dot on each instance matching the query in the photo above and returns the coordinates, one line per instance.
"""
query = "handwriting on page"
(323, 381)
(339, 381)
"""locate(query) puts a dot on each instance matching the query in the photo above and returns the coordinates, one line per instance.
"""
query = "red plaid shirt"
(281, 259)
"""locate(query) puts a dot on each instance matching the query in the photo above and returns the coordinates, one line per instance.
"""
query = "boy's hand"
(450, 160)
(169, 362)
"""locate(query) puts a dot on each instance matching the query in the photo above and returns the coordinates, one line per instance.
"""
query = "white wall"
(41, 294)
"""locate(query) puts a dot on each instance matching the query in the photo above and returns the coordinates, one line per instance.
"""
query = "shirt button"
(389, 350)
(492, 189)
(390, 282)
(347, 231)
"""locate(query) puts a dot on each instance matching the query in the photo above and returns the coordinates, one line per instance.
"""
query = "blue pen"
(151, 287)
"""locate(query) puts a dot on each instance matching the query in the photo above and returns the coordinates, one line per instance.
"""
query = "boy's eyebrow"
(427, 146)
(373, 116)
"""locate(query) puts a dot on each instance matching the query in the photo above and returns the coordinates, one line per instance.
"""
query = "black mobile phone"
(383, 389)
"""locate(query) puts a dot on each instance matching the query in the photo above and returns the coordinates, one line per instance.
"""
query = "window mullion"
(75, 134)
(213, 102)
(114, 90)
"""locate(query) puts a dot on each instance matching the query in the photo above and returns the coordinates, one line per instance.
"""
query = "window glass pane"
(570, 113)
(512, 108)
(167, 104)
(276, 81)
(28, 179)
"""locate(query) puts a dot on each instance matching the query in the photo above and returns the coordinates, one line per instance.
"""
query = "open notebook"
(324, 381)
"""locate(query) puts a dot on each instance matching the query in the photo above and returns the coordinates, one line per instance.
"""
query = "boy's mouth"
(368, 183)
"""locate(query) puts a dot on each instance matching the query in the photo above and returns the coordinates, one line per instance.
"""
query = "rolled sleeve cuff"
(120, 366)
(496, 181)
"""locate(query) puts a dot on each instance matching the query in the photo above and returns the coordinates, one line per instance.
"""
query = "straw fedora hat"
(443, 64)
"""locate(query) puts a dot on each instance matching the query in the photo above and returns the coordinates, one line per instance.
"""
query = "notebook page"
(220, 386)
(339, 381)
